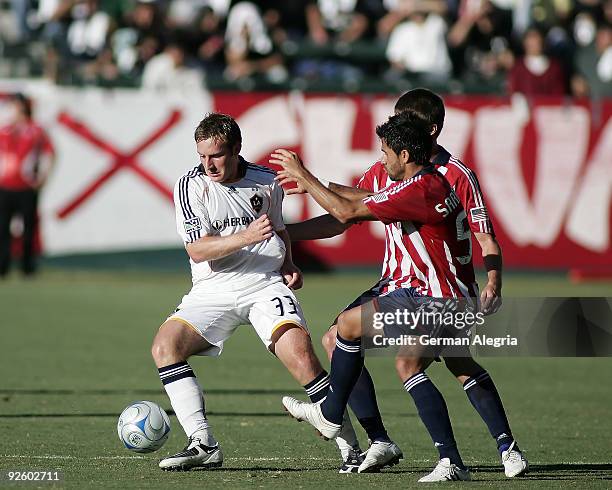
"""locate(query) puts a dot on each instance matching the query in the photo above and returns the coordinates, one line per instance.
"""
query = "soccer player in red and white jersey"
(26, 159)
(477, 383)
(422, 203)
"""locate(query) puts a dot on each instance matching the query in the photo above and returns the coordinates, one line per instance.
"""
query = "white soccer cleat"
(311, 413)
(379, 455)
(445, 471)
(195, 455)
(514, 462)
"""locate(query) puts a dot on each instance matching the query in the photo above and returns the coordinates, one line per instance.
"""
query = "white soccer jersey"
(208, 208)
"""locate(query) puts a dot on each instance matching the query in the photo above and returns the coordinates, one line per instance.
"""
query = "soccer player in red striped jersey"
(424, 205)
(398, 266)
(407, 261)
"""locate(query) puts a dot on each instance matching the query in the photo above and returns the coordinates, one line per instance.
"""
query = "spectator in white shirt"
(418, 46)
(167, 71)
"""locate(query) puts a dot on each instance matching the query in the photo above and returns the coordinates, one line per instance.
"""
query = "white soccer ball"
(143, 427)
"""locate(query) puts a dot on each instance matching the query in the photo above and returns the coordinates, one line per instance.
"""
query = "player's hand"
(490, 299)
(284, 178)
(292, 275)
(259, 230)
(290, 161)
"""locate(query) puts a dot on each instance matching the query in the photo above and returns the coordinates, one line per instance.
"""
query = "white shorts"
(216, 315)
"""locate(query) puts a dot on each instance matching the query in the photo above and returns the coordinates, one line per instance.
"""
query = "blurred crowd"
(549, 47)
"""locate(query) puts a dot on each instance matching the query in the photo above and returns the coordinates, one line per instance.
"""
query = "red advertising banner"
(545, 168)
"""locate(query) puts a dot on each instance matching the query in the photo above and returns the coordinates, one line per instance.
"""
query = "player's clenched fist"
(259, 230)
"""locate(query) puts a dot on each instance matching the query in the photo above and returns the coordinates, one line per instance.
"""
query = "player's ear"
(404, 156)
(236, 149)
(433, 130)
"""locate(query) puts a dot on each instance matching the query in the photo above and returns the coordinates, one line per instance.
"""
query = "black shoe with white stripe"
(352, 461)
(195, 455)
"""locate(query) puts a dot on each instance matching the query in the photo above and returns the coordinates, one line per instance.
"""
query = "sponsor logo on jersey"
(222, 224)
(257, 202)
(193, 224)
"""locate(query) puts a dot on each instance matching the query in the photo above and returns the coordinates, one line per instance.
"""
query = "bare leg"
(174, 343)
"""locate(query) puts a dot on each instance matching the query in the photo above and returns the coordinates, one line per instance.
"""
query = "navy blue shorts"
(438, 324)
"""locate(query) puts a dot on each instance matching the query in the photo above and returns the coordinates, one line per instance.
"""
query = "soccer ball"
(143, 427)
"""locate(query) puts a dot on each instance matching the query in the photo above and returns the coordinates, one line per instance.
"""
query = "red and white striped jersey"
(465, 184)
(431, 240)
(396, 270)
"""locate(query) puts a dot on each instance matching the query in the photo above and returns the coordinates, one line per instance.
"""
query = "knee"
(165, 350)
(347, 327)
(407, 367)
(329, 341)
(462, 367)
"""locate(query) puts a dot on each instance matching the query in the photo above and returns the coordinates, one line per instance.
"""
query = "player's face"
(392, 162)
(220, 162)
(16, 112)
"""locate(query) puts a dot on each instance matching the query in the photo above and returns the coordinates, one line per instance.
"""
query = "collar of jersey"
(442, 157)
(427, 169)
(242, 167)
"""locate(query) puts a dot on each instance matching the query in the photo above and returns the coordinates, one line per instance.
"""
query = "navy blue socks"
(363, 403)
(483, 395)
(317, 388)
(346, 366)
(434, 414)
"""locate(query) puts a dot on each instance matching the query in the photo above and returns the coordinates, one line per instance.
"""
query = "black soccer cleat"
(352, 461)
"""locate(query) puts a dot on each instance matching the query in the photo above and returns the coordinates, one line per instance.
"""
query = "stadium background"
(76, 339)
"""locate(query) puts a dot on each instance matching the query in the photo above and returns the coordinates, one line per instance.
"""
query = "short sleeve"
(400, 202)
(276, 206)
(192, 220)
(469, 193)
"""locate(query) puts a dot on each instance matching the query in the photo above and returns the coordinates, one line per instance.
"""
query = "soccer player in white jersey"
(228, 213)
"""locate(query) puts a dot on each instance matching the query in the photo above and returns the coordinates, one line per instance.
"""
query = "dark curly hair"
(405, 131)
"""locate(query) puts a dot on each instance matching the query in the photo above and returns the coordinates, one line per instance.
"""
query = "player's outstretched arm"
(491, 295)
(324, 226)
(284, 178)
(216, 247)
(344, 209)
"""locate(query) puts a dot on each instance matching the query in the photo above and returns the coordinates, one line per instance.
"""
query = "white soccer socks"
(187, 401)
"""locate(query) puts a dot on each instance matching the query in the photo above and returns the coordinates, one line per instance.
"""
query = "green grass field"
(75, 352)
